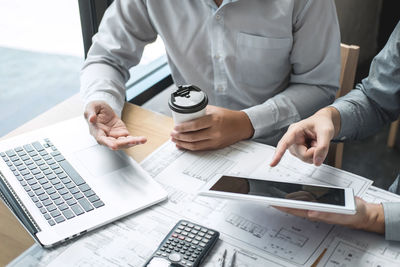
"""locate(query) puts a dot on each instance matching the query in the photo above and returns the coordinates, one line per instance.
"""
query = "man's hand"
(309, 139)
(107, 128)
(219, 128)
(368, 217)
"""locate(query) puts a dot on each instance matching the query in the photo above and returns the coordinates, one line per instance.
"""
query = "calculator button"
(204, 230)
(208, 236)
(184, 233)
(195, 242)
(158, 253)
(189, 239)
(197, 228)
(190, 225)
(210, 232)
(186, 257)
(195, 232)
(198, 238)
(168, 251)
(175, 257)
(201, 234)
(181, 227)
(183, 223)
(178, 231)
(202, 244)
(164, 254)
(174, 235)
(191, 235)
(181, 237)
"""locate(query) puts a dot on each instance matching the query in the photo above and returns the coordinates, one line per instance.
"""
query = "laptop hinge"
(13, 202)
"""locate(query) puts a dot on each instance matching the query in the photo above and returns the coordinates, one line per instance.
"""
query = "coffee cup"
(187, 103)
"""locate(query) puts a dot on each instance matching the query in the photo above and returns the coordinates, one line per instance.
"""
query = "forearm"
(102, 82)
(375, 219)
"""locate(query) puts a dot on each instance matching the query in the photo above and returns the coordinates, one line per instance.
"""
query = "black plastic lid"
(188, 99)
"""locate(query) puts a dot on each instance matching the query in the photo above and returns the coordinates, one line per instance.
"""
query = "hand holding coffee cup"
(187, 103)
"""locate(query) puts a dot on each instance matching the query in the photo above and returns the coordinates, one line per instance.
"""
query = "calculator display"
(285, 190)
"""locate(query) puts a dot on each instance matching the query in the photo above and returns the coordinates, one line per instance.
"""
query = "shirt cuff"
(273, 115)
(347, 122)
(110, 87)
(392, 220)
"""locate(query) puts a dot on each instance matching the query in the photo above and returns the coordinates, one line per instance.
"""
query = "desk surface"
(156, 127)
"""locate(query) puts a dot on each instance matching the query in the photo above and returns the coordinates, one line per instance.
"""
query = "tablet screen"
(293, 191)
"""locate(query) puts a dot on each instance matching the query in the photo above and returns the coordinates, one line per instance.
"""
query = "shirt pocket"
(262, 61)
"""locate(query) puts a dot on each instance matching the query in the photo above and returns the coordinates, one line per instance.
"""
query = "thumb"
(321, 150)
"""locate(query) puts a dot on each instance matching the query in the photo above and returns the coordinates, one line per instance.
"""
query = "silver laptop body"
(60, 183)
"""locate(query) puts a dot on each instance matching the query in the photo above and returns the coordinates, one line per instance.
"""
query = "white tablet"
(284, 194)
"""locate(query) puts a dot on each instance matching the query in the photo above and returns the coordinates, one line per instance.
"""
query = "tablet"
(284, 194)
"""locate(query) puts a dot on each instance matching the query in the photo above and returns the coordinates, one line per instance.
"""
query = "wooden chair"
(349, 59)
(394, 126)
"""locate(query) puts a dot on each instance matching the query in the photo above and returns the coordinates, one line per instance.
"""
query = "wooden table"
(14, 239)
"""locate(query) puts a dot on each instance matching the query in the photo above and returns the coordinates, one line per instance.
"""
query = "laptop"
(61, 184)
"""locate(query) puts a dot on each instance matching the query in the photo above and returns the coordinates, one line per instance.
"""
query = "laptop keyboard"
(58, 191)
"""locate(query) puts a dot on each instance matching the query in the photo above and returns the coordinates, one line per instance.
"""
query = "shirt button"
(217, 17)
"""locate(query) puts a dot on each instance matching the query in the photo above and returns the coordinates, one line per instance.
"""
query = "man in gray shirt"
(263, 65)
(363, 111)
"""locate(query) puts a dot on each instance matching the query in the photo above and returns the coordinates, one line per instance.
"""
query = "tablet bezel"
(348, 208)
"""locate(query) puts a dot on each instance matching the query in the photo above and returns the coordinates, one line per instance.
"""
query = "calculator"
(186, 245)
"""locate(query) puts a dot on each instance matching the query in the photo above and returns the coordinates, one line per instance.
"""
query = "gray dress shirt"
(279, 61)
(374, 103)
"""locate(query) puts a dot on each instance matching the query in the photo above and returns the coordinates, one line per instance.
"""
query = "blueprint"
(260, 235)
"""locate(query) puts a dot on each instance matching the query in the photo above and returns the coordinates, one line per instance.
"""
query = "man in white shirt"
(263, 64)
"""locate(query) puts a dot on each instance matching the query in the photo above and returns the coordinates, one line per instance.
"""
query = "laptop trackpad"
(100, 160)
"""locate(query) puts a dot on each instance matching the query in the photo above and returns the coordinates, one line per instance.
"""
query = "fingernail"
(318, 160)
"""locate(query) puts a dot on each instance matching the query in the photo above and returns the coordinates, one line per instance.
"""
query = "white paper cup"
(187, 103)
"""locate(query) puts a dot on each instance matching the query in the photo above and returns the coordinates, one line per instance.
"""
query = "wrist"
(334, 116)
(247, 129)
(375, 218)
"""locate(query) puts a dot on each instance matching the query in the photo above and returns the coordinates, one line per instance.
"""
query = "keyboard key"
(66, 180)
(59, 158)
(43, 210)
(67, 196)
(58, 171)
(63, 191)
(54, 196)
(50, 190)
(98, 204)
(47, 186)
(85, 204)
(32, 181)
(28, 162)
(37, 146)
(39, 176)
(21, 153)
(24, 172)
(55, 213)
(63, 206)
(68, 214)
(70, 185)
(43, 153)
(77, 209)
(58, 201)
(51, 161)
(34, 155)
(56, 181)
(28, 176)
(51, 208)
(35, 186)
(39, 191)
(89, 193)
(43, 197)
(51, 222)
(71, 202)
(59, 219)
(84, 187)
(47, 216)
(71, 172)
(47, 202)
(56, 153)
(61, 175)
(78, 195)
(32, 167)
(47, 172)
(35, 171)
(74, 190)
(21, 167)
(14, 158)
(39, 204)
(46, 157)
(28, 148)
(10, 153)
(93, 198)
(26, 158)
(59, 186)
